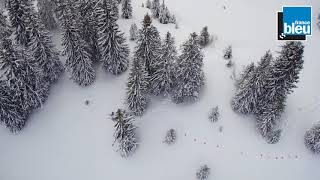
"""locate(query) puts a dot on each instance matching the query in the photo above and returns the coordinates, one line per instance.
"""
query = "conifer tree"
(126, 9)
(125, 132)
(46, 13)
(148, 4)
(114, 51)
(133, 32)
(155, 9)
(245, 75)
(43, 51)
(23, 76)
(190, 76)
(204, 38)
(281, 79)
(11, 114)
(20, 14)
(137, 88)
(312, 139)
(162, 81)
(248, 93)
(164, 14)
(78, 61)
(148, 47)
(88, 27)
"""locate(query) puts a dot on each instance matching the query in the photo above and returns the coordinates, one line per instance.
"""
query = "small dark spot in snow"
(296, 156)
(218, 146)
(87, 102)
(204, 143)
(276, 157)
(185, 134)
(194, 139)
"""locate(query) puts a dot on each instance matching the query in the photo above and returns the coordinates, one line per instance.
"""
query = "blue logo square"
(297, 20)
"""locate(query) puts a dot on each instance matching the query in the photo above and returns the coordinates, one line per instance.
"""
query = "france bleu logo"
(295, 23)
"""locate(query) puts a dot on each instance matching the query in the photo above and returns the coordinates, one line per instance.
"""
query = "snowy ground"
(69, 140)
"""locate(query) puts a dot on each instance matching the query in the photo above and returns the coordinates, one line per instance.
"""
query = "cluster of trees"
(158, 70)
(161, 12)
(262, 90)
(91, 34)
(29, 63)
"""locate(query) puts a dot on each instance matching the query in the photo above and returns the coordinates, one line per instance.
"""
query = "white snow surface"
(68, 140)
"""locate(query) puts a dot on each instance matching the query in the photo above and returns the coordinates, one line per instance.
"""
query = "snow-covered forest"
(156, 89)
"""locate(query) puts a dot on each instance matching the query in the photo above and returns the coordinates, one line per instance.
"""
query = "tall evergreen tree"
(281, 79)
(78, 61)
(190, 76)
(43, 51)
(148, 47)
(88, 27)
(245, 75)
(164, 14)
(23, 76)
(126, 9)
(137, 87)
(20, 14)
(155, 9)
(162, 81)
(114, 51)
(125, 132)
(46, 13)
(248, 93)
(11, 114)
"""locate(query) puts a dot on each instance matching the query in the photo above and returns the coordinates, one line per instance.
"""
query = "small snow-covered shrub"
(170, 137)
(203, 172)
(205, 38)
(214, 114)
(312, 138)
(228, 53)
(133, 32)
(274, 136)
(229, 64)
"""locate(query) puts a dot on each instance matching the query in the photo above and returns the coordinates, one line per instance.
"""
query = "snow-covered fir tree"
(148, 48)
(148, 4)
(171, 137)
(312, 139)
(46, 13)
(245, 75)
(114, 7)
(20, 14)
(23, 76)
(228, 53)
(280, 80)
(88, 26)
(190, 76)
(133, 32)
(164, 14)
(43, 51)
(114, 50)
(214, 114)
(78, 62)
(203, 173)
(204, 38)
(155, 8)
(249, 91)
(125, 132)
(137, 87)
(162, 80)
(126, 9)
(12, 115)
